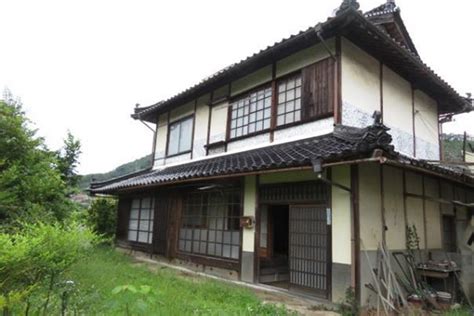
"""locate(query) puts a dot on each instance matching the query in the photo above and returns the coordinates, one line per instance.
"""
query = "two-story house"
(283, 168)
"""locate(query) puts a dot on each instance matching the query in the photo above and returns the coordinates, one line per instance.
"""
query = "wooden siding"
(318, 89)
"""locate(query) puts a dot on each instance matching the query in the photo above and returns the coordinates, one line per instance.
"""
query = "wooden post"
(464, 144)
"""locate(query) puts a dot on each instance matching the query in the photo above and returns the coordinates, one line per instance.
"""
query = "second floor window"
(180, 136)
(289, 100)
(251, 113)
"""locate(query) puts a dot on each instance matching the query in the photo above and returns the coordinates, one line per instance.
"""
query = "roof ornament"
(348, 4)
(390, 5)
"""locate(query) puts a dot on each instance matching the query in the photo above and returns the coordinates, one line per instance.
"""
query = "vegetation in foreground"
(110, 283)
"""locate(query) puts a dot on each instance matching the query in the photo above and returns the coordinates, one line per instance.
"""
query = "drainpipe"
(318, 31)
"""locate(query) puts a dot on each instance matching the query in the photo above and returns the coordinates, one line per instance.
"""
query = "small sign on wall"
(246, 221)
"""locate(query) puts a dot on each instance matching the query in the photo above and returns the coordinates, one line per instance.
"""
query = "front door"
(309, 244)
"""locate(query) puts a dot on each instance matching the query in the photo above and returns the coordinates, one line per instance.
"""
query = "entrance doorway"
(274, 246)
(294, 248)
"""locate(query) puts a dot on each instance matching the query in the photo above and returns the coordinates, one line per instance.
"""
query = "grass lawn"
(110, 283)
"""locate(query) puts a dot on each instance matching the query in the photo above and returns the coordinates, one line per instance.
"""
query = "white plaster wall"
(360, 84)
(394, 207)
(249, 142)
(218, 122)
(397, 110)
(250, 205)
(311, 129)
(304, 58)
(182, 111)
(426, 126)
(161, 137)
(415, 216)
(252, 80)
(370, 206)
(179, 158)
(200, 127)
(341, 216)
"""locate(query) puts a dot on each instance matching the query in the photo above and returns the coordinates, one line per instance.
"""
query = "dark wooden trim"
(440, 132)
(338, 105)
(405, 210)
(153, 147)
(194, 128)
(274, 103)
(179, 154)
(424, 210)
(257, 231)
(329, 245)
(242, 204)
(210, 261)
(193, 116)
(355, 232)
(381, 90)
(209, 125)
(382, 204)
(413, 120)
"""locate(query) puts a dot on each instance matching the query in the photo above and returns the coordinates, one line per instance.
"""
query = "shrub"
(36, 257)
(102, 216)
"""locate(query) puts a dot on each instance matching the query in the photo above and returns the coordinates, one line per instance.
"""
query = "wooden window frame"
(179, 121)
(273, 84)
(151, 220)
(226, 219)
(236, 98)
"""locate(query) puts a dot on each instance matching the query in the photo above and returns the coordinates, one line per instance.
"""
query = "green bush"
(35, 258)
(102, 216)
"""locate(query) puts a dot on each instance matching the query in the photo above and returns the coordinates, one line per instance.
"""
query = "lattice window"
(289, 100)
(210, 224)
(140, 224)
(251, 113)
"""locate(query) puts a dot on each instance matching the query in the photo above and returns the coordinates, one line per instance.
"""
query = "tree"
(68, 158)
(31, 186)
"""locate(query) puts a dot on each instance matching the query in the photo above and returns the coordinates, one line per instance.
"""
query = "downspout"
(318, 31)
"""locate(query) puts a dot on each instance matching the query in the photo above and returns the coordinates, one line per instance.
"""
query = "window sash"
(289, 100)
(180, 136)
(210, 224)
(251, 114)
(140, 224)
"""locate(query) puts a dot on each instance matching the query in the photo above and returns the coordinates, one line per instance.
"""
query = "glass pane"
(143, 237)
(235, 252)
(298, 115)
(132, 235)
(133, 224)
(298, 92)
(173, 143)
(145, 214)
(144, 225)
(289, 118)
(186, 135)
(280, 120)
(281, 98)
(266, 124)
(290, 106)
(290, 95)
(134, 214)
(290, 84)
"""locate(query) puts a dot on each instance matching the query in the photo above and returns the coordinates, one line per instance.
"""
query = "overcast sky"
(83, 65)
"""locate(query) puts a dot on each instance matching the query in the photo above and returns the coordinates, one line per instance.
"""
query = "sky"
(83, 65)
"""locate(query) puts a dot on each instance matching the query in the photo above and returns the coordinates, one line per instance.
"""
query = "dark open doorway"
(274, 245)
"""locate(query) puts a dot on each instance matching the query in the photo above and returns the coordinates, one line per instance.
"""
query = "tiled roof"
(330, 27)
(344, 143)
